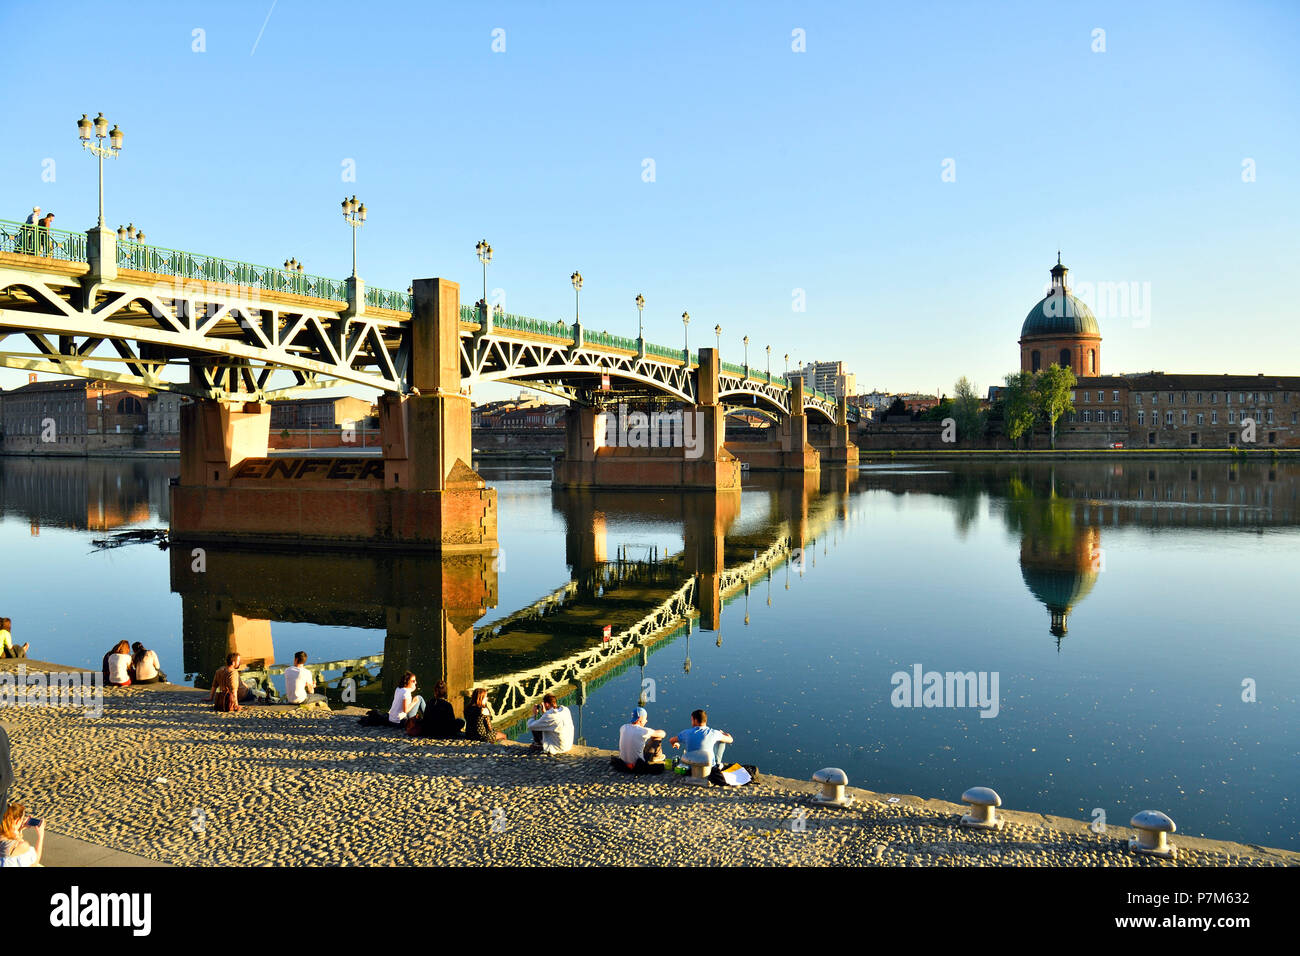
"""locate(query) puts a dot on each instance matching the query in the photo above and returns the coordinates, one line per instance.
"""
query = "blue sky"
(774, 170)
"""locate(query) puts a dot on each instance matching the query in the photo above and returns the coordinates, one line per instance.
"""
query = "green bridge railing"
(71, 247)
(46, 243)
(67, 246)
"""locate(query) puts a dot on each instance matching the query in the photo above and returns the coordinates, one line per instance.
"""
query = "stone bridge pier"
(605, 448)
(789, 449)
(832, 441)
(422, 494)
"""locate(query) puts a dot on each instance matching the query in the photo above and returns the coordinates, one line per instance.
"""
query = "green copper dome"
(1059, 314)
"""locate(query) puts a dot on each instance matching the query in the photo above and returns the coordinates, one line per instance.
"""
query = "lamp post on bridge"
(717, 332)
(111, 151)
(746, 341)
(354, 214)
(686, 339)
(576, 279)
(484, 251)
(769, 365)
(101, 246)
(640, 325)
(294, 268)
(130, 233)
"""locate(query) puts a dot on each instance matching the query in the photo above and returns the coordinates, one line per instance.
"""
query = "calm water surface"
(1121, 606)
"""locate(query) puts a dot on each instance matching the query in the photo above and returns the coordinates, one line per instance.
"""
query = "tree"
(1019, 405)
(896, 407)
(966, 410)
(1052, 395)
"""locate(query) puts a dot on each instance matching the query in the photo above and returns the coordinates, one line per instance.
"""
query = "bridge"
(94, 305)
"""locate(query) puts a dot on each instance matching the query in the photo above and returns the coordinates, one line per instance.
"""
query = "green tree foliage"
(896, 407)
(966, 411)
(1052, 395)
(1018, 407)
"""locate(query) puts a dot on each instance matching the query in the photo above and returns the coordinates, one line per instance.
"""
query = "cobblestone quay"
(163, 776)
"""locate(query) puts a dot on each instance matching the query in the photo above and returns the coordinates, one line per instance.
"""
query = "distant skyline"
(909, 175)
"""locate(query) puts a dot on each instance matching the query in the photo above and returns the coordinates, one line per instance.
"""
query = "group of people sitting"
(228, 688)
(551, 724)
(640, 747)
(126, 664)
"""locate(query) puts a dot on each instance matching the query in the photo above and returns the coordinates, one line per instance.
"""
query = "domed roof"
(1059, 313)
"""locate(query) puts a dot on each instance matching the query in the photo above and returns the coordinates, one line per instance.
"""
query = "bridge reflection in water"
(428, 604)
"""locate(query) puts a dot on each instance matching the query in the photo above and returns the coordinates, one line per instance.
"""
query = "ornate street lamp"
(576, 279)
(717, 331)
(686, 336)
(114, 147)
(484, 256)
(640, 314)
(746, 341)
(354, 214)
(769, 363)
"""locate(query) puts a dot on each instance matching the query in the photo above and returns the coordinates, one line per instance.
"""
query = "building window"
(1087, 416)
(1035, 360)
(1169, 418)
(1293, 418)
(1065, 358)
(1114, 395)
(1269, 414)
(1232, 440)
(1272, 438)
(1138, 398)
(1092, 361)
(1214, 398)
(1200, 419)
(1184, 418)
(1227, 398)
(1232, 417)
(1142, 417)
(1196, 438)
(1155, 398)
(1071, 396)
(1151, 438)
(1114, 416)
(1214, 418)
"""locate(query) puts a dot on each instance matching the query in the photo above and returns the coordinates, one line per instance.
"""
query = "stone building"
(1151, 409)
(320, 412)
(72, 414)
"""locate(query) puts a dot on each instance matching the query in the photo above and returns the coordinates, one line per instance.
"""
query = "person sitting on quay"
(7, 646)
(440, 719)
(406, 704)
(299, 684)
(478, 718)
(145, 666)
(640, 749)
(552, 727)
(701, 740)
(117, 665)
(226, 685)
(14, 850)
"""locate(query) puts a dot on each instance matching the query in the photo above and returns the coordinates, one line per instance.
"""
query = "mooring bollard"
(1152, 827)
(833, 781)
(983, 809)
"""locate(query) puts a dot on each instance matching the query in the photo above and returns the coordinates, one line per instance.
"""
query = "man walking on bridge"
(552, 727)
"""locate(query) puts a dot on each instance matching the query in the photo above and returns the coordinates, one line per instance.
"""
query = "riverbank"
(1085, 454)
(161, 776)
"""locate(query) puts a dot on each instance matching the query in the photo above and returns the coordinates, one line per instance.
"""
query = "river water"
(1135, 619)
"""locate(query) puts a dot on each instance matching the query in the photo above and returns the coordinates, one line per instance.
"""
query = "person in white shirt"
(146, 666)
(117, 665)
(552, 727)
(640, 749)
(299, 685)
(406, 704)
